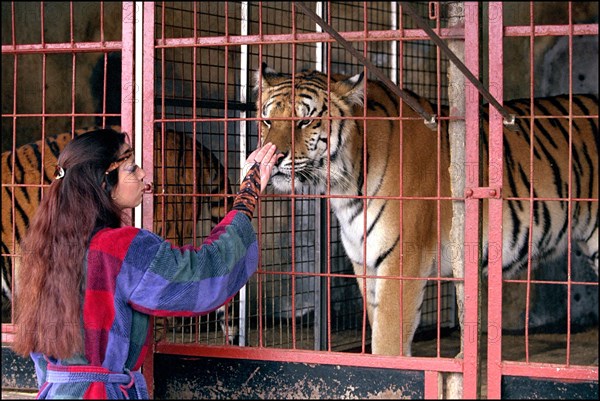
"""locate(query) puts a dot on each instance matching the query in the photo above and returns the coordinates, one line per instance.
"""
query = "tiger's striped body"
(17, 214)
(550, 180)
(178, 178)
(402, 234)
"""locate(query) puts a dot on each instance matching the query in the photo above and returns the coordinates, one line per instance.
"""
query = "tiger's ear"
(351, 89)
(269, 76)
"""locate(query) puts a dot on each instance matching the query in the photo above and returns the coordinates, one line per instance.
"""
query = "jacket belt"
(75, 373)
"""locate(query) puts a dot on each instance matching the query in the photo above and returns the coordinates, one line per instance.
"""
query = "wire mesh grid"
(48, 93)
(287, 299)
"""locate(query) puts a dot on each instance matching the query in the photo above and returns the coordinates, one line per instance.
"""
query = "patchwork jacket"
(131, 274)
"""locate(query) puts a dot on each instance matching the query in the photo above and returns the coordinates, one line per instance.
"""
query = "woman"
(91, 282)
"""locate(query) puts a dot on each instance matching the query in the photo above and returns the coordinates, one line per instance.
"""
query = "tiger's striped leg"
(6, 291)
(590, 248)
(586, 229)
(387, 318)
(228, 325)
(389, 315)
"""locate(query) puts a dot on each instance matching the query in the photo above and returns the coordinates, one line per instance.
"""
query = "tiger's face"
(309, 130)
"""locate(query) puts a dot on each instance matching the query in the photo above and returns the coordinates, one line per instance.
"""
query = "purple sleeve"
(163, 280)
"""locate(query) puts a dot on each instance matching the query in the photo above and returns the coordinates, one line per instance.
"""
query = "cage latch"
(483, 193)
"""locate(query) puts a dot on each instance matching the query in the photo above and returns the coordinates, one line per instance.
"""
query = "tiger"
(178, 179)
(326, 128)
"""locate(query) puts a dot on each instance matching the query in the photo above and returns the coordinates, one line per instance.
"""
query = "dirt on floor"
(546, 348)
(537, 348)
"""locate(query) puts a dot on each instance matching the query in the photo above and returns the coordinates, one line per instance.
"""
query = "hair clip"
(59, 172)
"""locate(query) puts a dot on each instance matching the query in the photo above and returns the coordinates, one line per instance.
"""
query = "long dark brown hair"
(49, 281)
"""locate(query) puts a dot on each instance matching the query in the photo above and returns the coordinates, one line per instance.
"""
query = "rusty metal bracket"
(430, 120)
(431, 123)
(483, 193)
(509, 119)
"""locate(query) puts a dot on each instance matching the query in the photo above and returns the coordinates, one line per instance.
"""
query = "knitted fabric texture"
(247, 197)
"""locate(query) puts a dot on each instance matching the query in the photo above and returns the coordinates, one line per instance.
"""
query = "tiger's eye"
(304, 123)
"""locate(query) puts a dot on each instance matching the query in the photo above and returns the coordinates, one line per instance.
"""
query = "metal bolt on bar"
(509, 119)
(430, 120)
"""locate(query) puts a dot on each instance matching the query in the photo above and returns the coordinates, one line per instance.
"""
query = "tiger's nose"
(281, 158)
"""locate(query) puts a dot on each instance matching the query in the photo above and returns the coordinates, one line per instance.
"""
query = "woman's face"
(130, 188)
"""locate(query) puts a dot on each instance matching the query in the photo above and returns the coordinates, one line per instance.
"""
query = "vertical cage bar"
(243, 124)
(531, 175)
(146, 133)
(494, 341)
(570, 186)
(320, 327)
(294, 200)
(472, 277)
(138, 93)
(147, 117)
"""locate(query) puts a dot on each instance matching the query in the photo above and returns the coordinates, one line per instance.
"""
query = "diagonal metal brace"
(509, 119)
(430, 120)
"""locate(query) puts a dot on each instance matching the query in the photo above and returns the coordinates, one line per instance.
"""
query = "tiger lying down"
(332, 163)
(178, 211)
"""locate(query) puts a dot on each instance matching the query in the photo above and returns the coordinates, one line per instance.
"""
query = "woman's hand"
(265, 157)
(257, 172)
